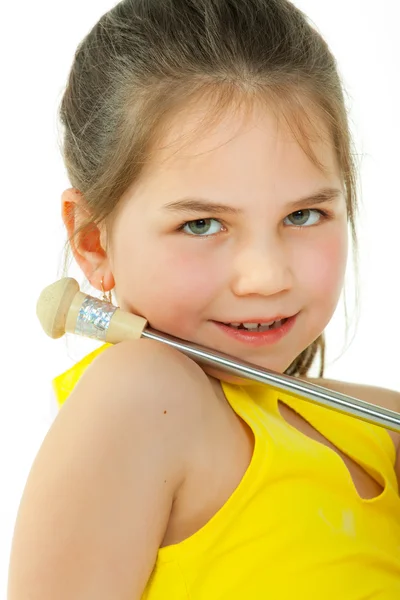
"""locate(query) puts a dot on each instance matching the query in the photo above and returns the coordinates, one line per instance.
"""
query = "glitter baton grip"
(94, 318)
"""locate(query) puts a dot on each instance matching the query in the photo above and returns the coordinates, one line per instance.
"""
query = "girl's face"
(187, 268)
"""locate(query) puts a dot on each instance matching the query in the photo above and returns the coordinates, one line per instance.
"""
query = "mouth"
(258, 333)
(260, 326)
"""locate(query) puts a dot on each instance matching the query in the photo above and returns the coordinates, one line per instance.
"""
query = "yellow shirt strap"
(64, 384)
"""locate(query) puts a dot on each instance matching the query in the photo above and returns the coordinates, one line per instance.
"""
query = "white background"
(38, 42)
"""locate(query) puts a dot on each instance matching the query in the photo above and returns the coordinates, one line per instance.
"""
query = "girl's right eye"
(201, 227)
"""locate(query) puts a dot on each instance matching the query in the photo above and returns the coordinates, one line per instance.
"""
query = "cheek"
(189, 275)
(323, 269)
(172, 288)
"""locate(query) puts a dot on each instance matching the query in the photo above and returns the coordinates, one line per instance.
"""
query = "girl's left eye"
(301, 217)
(201, 227)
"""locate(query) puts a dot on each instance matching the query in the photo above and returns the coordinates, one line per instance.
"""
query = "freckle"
(165, 481)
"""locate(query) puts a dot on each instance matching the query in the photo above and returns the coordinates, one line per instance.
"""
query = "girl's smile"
(261, 336)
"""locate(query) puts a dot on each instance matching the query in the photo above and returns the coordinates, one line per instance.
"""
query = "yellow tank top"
(295, 527)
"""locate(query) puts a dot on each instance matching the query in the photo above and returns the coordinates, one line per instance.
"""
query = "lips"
(261, 336)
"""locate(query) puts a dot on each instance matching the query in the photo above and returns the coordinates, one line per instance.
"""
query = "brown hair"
(146, 60)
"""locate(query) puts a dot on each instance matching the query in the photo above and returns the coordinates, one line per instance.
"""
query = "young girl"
(209, 152)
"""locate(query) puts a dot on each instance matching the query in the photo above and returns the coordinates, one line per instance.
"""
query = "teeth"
(250, 325)
(256, 326)
(275, 325)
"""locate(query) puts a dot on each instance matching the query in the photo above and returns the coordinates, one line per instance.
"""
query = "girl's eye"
(201, 227)
(300, 217)
(208, 227)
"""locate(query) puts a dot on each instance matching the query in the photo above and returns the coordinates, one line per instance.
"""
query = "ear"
(88, 246)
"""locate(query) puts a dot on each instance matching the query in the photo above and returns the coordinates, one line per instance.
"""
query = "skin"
(258, 263)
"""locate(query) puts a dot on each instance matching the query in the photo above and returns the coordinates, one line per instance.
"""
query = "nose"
(264, 270)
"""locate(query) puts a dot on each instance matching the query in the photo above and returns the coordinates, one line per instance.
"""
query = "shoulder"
(374, 394)
(143, 368)
(144, 385)
(378, 395)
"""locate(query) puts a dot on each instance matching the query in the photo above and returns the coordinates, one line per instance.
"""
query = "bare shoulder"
(140, 368)
(150, 380)
(148, 362)
(380, 396)
(375, 394)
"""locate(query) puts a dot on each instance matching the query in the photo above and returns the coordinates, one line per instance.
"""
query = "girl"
(208, 148)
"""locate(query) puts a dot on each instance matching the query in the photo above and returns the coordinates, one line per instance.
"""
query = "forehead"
(252, 134)
(240, 156)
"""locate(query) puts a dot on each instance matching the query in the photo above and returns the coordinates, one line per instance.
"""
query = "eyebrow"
(202, 205)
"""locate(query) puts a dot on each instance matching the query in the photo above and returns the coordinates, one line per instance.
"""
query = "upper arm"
(98, 498)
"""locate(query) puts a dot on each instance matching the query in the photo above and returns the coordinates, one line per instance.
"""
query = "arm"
(98, 498)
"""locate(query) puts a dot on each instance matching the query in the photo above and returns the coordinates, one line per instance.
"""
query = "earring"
(105, 298)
